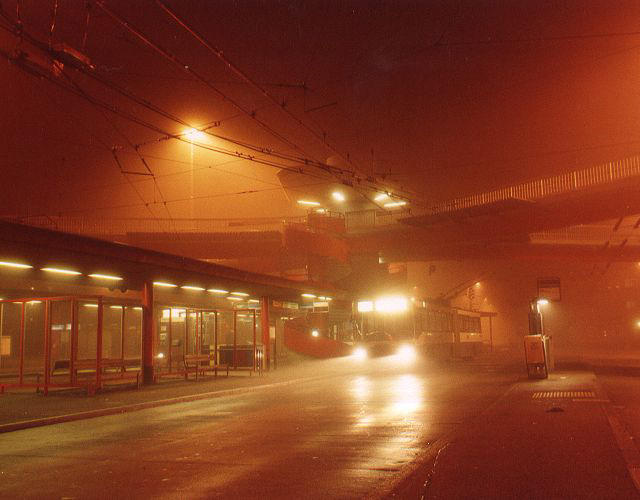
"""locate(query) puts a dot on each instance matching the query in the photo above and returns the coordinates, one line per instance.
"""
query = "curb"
(58, 419)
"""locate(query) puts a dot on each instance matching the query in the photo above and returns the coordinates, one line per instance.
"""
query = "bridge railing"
(119, 226)
(532, 190)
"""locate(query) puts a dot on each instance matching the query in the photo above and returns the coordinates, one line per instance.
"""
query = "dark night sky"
(445, 97)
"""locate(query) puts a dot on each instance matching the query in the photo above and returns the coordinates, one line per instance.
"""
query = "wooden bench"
(113, 369)
(201, 363)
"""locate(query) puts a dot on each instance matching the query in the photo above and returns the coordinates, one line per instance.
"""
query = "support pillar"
(148, 333)
(264, 324)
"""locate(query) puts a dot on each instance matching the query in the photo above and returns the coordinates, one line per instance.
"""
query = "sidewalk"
(26, 408)
(544, 439)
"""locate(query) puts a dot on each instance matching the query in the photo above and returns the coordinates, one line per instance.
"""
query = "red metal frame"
(255, 350)
(47, 346)
(235, 339)
(46, 383)
(21, 377)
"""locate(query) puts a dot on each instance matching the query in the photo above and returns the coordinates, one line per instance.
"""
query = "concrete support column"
(148, 333)
(264, 323)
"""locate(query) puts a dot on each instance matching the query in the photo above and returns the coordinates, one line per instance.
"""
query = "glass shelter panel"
(244, 328)
(10, 319)
(178, 337)
(87, 330)
(208, 321)
(112, 331)
(60, 330)
(192, 344)
(225, 333)
(34, 339)
(132, 333)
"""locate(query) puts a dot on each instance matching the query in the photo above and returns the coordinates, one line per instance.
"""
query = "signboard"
(534, 349)
(281, 304)
(549, 288)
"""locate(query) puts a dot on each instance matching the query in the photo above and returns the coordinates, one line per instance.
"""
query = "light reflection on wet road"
(349, 435)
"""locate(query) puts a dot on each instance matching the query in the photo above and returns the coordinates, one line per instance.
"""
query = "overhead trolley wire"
(185, 67)
(243, 76)
(29, 67)
(261, 89)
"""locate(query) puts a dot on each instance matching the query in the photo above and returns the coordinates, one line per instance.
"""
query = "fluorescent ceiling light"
(309, 203)
(393, 204)
(254, 301)
(60, 271)
(381, 196)
(162, 283)
(240, 294)
(308, 295)
(105, 277)
(234, 298)
(190, 287)
(16, 265)
(217, 290)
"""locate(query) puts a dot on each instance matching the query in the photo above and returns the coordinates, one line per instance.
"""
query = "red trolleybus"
(434, 328)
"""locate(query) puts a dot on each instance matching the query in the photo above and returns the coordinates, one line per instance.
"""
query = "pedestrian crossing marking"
(563, 395)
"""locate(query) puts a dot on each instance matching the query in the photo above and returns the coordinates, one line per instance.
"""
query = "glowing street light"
(193, 134)
(338, 196)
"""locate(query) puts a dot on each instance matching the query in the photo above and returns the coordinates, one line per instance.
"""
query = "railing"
(120, 226)
(354, 221)
(532, 190)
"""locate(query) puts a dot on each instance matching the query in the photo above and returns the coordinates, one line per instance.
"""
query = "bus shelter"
(231, 338)
(69, 341)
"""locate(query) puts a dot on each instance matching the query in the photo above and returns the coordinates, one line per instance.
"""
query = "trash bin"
(535, 356)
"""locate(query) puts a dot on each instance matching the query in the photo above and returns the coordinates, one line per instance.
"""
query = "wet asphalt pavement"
(358, 432)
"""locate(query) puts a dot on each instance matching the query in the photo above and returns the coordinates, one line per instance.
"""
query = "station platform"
(25, 408)
(573, 435)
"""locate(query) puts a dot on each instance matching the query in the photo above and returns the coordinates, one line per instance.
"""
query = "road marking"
(563, 394)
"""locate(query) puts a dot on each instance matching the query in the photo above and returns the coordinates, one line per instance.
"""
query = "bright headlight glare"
(406, 353)
(360, 353)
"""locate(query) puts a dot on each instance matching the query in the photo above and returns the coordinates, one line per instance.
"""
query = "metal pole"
(235, 330)
(21, 375)
(215, 337)
(169, 353)
(47, 346)
(73, 355)
(148, 337)
(266, 341)
(99, 344)
(254, 341)
(122, 330)
(1, 329)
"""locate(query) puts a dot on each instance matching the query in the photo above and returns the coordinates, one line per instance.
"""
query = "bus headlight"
(406, 353)
(360, 353)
